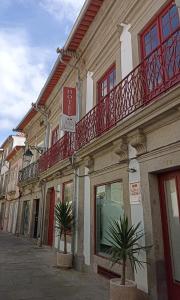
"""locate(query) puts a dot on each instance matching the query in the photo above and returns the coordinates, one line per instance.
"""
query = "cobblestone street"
(29, 272)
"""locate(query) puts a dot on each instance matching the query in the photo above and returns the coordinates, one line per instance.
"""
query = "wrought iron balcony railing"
(157, 73)
(29, 173)
(61, 150)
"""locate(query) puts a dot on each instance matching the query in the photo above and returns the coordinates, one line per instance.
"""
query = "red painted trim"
(173, 287)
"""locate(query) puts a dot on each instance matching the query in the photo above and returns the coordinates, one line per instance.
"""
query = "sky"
(30, 32)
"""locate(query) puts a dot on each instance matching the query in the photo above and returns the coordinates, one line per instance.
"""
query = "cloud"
(62, 9)
(23, 74)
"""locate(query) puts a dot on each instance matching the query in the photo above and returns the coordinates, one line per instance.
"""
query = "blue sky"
(30, 32)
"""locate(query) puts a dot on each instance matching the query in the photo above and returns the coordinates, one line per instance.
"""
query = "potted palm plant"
(124, 241)
(64, 221)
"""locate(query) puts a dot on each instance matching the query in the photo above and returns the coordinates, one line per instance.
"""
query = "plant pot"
(122, 292)
(64, 260)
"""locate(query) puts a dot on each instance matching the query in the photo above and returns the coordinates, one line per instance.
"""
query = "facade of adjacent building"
(8, 181)
(122, 60)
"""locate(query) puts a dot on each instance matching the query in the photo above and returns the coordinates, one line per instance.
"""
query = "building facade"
(123, 59)
(8, 181)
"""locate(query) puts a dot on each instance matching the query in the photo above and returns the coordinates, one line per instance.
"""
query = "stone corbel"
(121, 149)
(138, 141)
(89, 163)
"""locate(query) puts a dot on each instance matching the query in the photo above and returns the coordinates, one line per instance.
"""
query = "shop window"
(55, 135)
(109, 206)
(68, 191)
(106, 83)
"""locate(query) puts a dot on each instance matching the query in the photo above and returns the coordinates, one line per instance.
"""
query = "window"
(107, 83)
(68, 191)
(161, 64)
(161, 28)
(55, 135)
(109, 206)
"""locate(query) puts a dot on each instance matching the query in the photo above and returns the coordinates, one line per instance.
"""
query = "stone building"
(123, 59)
(8, 180)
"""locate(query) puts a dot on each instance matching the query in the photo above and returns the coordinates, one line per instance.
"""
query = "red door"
(51, 217)
(169, 187)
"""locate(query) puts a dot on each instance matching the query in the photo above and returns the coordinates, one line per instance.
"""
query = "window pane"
(174, 225)
(109, 206)
(68, 192)
(112, 80)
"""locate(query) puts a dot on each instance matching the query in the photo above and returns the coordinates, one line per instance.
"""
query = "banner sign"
(68, 117)
(69, 101)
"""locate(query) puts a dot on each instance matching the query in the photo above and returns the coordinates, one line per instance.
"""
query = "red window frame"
(106, 76)
(54, 135)
(156, 21)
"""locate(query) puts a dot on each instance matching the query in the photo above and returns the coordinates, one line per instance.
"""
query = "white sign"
(68, 123)
(135, 192)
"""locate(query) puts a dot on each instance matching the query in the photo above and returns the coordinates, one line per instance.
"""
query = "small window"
(109, 206)
(106, 83)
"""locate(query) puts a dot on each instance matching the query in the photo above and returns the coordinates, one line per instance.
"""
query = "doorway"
(25, 217)
(2, 215)
(36, 218)
(169, 189)
(51, 217)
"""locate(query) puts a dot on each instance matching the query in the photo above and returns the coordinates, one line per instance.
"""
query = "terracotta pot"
(64, 260)
(122, 292)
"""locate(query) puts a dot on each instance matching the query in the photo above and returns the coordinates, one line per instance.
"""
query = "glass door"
(170, 210)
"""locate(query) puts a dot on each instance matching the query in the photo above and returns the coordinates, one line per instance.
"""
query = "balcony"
(29, 173)
(156, 74)
(61, 150)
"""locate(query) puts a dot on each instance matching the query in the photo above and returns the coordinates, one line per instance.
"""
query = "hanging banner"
(68, 117)
(69, 101)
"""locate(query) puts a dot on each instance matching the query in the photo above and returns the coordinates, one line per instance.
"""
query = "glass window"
(106, 83)
(68, 191)
(163, 26)
(109, 206)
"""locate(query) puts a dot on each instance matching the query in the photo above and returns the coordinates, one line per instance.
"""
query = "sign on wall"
(135, 192)
(68, 117)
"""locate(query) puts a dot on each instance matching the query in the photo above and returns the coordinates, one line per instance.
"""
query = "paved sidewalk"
(28, 272)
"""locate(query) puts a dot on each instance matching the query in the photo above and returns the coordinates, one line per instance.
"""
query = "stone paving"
(28, 272)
